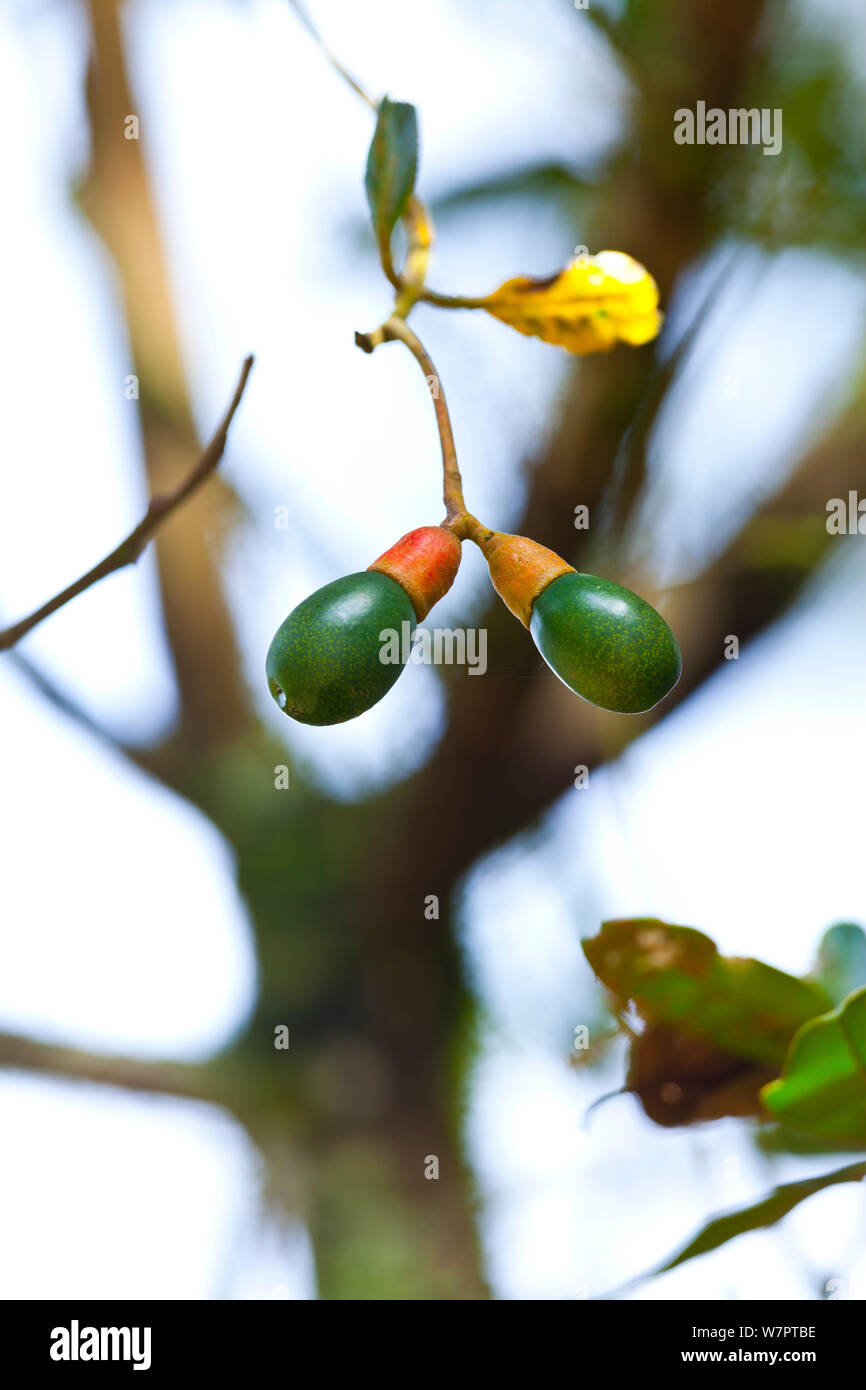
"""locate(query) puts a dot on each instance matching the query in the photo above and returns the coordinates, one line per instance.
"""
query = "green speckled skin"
(323, 665)
(607, 644)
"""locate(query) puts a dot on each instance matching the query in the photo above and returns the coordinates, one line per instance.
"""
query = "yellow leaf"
(591, 305)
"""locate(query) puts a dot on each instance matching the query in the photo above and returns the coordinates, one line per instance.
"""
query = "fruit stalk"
(396, 328)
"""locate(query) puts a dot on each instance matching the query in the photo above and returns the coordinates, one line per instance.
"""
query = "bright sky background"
(256, 151)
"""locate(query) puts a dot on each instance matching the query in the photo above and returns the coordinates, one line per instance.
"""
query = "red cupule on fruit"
(424, 562)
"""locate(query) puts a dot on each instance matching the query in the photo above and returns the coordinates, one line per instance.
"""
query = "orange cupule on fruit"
(520, 569)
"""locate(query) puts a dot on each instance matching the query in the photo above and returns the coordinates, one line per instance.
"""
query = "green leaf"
(392, 165)
(676, 977)
(841, 963)
(822, 1089)
(764, 1213)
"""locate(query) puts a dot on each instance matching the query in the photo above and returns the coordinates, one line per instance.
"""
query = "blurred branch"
(611, 32)
(159, 509)
(253, 1090)
(628, 474)
(193, 1082)
(547, 180)
(159, 761)
(63, 702)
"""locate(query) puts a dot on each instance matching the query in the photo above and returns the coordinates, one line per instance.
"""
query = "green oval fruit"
(607, 644)
(324, 666)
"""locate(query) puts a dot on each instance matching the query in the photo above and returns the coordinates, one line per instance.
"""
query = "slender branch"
(409, 282)
(451, 301)
(158, 510)
(332, 59)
